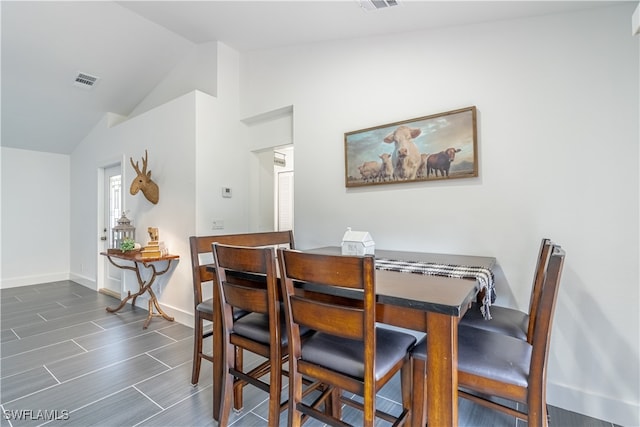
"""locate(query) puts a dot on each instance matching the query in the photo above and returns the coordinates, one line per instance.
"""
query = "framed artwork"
(436, 147)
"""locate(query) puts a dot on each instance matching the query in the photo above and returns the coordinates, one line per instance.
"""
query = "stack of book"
(154, 249)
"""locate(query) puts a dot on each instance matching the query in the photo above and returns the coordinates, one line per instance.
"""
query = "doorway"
(271, 201)
(283, 188)
(112, 280)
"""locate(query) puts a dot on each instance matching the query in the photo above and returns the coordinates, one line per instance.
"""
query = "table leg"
(143, 287)
(153, 303)
(442, 369)
(218, 370)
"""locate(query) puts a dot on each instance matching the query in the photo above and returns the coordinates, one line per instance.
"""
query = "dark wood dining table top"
(441, 294)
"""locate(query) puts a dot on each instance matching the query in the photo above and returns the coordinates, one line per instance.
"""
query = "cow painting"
(437, 147)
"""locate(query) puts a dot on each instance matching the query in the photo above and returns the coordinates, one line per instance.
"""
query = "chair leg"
(537, 411)
(237, 391)
(197, 350)
(405, 386)
(295, 396)
(369, 413)
(275, 386)
(418, 393)
(227, 387)
(336, 403)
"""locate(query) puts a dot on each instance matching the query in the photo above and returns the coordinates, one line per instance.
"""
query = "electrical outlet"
(217, 224)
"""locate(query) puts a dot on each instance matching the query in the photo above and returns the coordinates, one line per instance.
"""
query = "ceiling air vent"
(85, 80)
(377, 4)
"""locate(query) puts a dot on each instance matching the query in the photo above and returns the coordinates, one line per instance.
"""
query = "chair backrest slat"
(538, 282)
(546, 307)
(247, 276)
(201, 245)
(267, 238)
(349, 319)
(246, 298)
(328, 318)
(330, 270)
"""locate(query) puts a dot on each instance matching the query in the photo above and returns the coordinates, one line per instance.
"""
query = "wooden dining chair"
(347, 352)
(492, 364)
(511, 321)
(247, 280)
(200, 258)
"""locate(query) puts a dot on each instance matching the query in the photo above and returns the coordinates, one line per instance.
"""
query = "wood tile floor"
(64, 356)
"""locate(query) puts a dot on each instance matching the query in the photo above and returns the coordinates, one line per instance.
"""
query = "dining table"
(416, 299)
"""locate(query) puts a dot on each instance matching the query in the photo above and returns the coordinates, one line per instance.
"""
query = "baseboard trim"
(624, 413)
(33, 280)
(180, 316)
(109, 292)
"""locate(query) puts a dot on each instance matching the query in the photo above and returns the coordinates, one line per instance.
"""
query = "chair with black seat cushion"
(347, 352)
(247, 280)
(200, 259)
(510, 321)
(492, 364)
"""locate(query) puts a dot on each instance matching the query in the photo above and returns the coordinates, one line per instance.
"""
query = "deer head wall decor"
(144, 182)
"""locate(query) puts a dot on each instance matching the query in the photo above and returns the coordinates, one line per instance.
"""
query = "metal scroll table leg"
(144, 286)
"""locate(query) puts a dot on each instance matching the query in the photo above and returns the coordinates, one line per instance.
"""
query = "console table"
(144, 286)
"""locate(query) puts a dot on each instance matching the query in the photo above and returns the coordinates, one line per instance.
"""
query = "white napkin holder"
(357, 243)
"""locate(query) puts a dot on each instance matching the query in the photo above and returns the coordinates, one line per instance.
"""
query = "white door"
(284, 202)
(112, 211)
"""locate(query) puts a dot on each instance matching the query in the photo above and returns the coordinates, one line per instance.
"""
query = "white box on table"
(357, 243)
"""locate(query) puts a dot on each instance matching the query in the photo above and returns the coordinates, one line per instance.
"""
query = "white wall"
(557, 98)
(35, 217)
(168, 133)
(221, 153)
(194, 150)
(196, 71)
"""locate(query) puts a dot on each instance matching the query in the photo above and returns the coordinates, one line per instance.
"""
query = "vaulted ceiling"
(132, 45)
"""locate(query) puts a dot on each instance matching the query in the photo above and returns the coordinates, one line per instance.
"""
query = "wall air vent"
(85, 81)
(377, 4)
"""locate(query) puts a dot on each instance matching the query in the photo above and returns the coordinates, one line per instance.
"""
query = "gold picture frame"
(436, 147)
